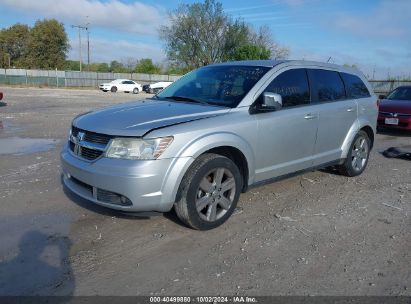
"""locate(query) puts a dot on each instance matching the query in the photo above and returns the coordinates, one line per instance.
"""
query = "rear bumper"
(148, 185)
(404, 123)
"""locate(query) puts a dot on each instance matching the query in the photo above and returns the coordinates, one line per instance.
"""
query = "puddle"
(7, 127)
(19, 146)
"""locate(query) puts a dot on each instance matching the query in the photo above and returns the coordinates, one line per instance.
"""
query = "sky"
(375, 35)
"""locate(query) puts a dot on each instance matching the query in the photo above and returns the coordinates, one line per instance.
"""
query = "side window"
(124, 82)
(327, 85)
(293, 87)
(354, 86)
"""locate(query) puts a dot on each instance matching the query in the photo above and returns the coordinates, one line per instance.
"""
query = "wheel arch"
(229, 145)
(357, 126)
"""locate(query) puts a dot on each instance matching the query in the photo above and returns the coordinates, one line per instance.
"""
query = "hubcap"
(215, 194)
(359, 153)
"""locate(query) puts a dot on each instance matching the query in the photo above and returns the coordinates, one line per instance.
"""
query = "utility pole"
(88, 44)
(79, 38)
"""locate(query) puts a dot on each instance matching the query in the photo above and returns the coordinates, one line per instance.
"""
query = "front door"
(286, 137)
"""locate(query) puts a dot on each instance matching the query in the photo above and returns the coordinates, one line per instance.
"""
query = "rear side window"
(328, 85)
(293, 87)
(354, 86)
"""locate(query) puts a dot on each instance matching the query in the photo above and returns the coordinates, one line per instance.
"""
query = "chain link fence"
(55, 78)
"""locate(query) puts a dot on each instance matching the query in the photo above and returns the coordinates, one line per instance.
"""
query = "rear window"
(328, 85)
(354, 86)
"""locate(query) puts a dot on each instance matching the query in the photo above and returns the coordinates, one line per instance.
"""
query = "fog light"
(125, 201)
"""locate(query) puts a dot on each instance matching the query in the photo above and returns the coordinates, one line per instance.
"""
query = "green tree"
(147, 66)
(13, 45)
(251, 52)
(72, 65)
(201, 33)
(48, 45)
(118, 67)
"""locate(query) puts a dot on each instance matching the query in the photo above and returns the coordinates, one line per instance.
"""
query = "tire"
(358, 156)
(113, 89)
(136, 91)
(201, 204)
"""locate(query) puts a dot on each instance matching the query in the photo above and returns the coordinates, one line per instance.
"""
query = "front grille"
(92, 137)
(90, 154)
(89, 137)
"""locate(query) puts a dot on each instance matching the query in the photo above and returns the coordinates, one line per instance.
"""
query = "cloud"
(133, 17)
(102, 50)
(390, 19)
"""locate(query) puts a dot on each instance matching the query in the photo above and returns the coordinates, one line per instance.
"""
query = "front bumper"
(149, 185)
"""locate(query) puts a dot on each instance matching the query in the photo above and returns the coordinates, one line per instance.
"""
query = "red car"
(395, 109)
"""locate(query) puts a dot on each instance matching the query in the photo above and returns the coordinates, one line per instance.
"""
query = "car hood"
(396, 106)
(138, 118)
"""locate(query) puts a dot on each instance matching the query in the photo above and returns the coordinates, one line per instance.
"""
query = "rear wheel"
(209, 192)
(357, 158)
(113, 89)
(135, 91)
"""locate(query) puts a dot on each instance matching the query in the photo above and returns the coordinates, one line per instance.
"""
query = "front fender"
(194, 149)
(202, 144)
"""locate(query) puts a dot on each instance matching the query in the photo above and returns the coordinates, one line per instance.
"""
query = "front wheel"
(135, 91)
(113, 89)
(357, 158)
(209, 192)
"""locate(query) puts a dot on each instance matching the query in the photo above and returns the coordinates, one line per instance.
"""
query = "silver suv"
(218, 130)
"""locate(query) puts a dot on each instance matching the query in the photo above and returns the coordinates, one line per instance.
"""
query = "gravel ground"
(316, 234)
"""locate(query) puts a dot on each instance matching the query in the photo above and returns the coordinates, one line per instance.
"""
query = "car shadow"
(41, 267)
(394, 132)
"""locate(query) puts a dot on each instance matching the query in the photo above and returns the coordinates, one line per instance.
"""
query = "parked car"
(395, 109)
(1, 95)
(121, 85)
(218, 131)
(154, 88)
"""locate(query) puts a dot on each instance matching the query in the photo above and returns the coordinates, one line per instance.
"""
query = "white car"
(154, 88)
(121, 85)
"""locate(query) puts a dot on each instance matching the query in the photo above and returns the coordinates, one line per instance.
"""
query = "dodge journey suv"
(218, 130)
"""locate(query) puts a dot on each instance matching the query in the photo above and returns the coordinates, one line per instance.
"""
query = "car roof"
(296, 63)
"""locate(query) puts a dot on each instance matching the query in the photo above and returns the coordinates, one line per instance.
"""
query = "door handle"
(309, 116)
(350, 109)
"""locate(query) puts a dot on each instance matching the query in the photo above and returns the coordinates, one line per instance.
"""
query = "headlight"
(135, 148)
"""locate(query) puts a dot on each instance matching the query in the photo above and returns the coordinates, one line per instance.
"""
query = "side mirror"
(381, 96)
(272, 101)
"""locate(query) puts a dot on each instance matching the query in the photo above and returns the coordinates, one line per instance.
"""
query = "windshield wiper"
(183, 98)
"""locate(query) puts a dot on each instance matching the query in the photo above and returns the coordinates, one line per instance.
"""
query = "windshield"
(403, 93)
(222, 85)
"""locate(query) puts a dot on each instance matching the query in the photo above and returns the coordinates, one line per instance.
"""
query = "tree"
(72, 65)
(251, 52)
(118, 67)
(47, 45)
(201, 33)
(147, 66)
(13, 45)
(263, 38)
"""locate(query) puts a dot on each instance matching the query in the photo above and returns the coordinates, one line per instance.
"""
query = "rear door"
(337, 114)
(286, 137)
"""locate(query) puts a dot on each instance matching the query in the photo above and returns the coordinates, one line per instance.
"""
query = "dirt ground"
(315, 234)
